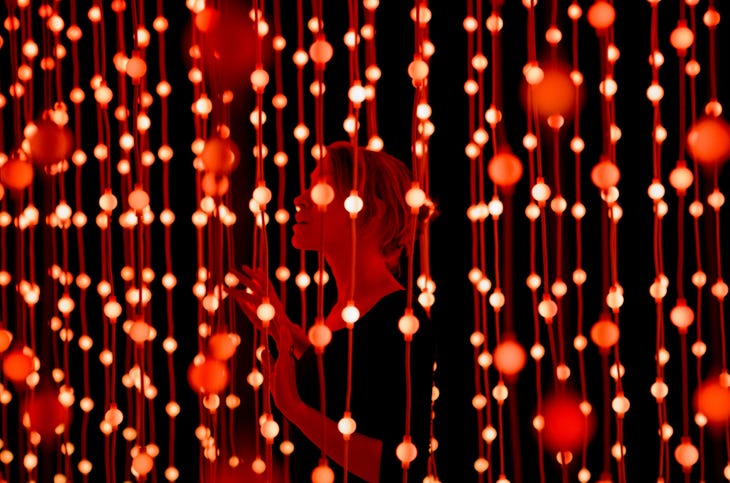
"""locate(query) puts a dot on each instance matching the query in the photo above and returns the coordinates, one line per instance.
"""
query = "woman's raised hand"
(258, 300)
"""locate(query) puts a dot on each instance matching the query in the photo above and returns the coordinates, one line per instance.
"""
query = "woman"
(378, 392)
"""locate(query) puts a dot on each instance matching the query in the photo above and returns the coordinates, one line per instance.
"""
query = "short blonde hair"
(382, 180)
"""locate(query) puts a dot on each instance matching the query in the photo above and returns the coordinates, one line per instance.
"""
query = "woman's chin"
(300, 243)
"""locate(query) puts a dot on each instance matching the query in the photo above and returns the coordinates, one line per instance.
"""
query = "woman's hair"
(382, 180)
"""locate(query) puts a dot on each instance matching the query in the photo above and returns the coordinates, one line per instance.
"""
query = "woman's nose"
(302, 200)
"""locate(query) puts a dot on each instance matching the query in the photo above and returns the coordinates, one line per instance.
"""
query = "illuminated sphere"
(509, 357)
(50, 144)
(138, 199)
(139, 331)
(601, 15)
(682, 37)
(708, 140)
(505, 169)
(406, 451)
(214, 184)
(207, 20)
(142, 463)
(408, 324)
(686, 454)
(713, 400)
(418, 70)
(6, 337)
(605, 333)
(322, 194)
(17, 365)
(323, 474)
(320, 335)
(681, 315)
(321, 51)
(346, 425)
(565, 425)
(681, 178)
(210, 377)
(16, 174)
(136, 67)
(270, 429)
(219, 156)
(222, 346)
(605, 175)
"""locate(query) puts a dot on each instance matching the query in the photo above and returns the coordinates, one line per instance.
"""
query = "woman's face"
(310, 220)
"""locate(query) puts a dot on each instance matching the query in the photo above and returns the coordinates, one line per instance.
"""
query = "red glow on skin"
(565, 424)
(210, 377)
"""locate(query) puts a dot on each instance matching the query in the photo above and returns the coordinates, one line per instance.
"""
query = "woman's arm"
(364, 452)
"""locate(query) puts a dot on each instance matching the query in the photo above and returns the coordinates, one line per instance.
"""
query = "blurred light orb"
(713, 400)
(681, 315)
(219, 156)
(509, 357)
(209, 377)
(46, 413)
(222, 346)
(605, 333)
(504, 169)
(555, 94)
(16, 174)
(323, 474)
(50, 143)
(321, 51)
(17, 365)
(686, 454)
(142, 463)
(6, 337)
(682, 37)
(207, 19)
(601, 15)
(708, 140)
(565, 425)
(605, 174)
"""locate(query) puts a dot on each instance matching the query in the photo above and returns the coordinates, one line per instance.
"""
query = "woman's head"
(382, 183)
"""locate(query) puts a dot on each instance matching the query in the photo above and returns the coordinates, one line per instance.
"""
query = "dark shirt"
(378, 388)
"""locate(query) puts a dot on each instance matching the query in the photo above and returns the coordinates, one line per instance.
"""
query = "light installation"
(94, 343)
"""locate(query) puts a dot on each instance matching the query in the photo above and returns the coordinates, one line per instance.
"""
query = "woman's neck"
(371, 282)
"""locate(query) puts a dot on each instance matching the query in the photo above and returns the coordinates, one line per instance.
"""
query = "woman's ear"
(373, 216)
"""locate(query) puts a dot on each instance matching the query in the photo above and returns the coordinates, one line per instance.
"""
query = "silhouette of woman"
(378, 372)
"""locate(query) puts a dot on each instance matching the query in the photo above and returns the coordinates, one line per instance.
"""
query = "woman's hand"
(256, 290)
(252, 295)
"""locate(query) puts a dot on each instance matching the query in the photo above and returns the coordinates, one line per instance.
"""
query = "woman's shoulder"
(388, 311)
